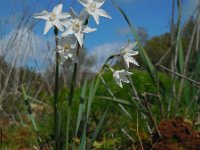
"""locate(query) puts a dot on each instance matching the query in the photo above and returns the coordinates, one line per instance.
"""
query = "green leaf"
(80, 110)
(99, 127)
(26, 101)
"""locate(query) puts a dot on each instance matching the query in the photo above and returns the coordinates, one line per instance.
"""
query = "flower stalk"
(56, 92)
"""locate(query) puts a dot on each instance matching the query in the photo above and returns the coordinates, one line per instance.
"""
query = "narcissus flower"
(93, 8)
(67, 49)
(75, 25)
(121, 76)
(127, 52)
(53, 18)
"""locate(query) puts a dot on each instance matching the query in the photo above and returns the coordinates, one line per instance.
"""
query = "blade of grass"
(99, 127)
(117, 100)
(29, 110)
(81, 110)
(92, 93)
(180, 56)
(82, 145)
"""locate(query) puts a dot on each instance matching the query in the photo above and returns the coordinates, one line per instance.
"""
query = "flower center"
(76, 26)
(67, 47)
(52, 17)
(92, 7)
(124, 51)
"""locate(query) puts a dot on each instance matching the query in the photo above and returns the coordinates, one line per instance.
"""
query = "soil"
(176, 134)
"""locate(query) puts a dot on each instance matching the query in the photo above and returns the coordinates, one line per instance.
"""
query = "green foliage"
(157, 46)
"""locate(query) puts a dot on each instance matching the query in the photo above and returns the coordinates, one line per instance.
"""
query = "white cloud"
(102, 52)
(24, 48)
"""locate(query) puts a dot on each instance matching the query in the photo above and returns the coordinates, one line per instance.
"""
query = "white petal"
(63, 59)
(128, 73)
(66, 23)
(70, 55)
(67, 32)
(79, 37)
(132, 45)
(134, 62)
(128, 46)
(96, 16)
(73, 13)
(118, 81)
(87, 29)
(99, 3)
(64, 16)
(83, 2)
(125, 46)
(103, 13)
(58, 24)
(75, 59)
(116, 74)
(126, 62)
(60, 48)
(48, 25)
(42, 15)
(131, 60)
(69, 40)
(132, 53)
(124, 78)
(58, 9)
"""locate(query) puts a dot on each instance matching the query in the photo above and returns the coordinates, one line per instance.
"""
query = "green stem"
(71, 96)
(56, 91)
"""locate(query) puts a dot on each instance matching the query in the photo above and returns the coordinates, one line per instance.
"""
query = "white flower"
(75, 25)
(67, 49)
(121, 75)
(53, 18)
(127, 52)
(92, 7)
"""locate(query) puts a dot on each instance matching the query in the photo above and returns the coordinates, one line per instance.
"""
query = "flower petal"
(79, 37)
(87, 29)
(67, 32)
(42, 15)
(58, 24)
(119, 82)
(124, 78)
(57, 9)
(69, 40)
(132, 45)
(134, 61)
(131, 60)
(96, 16)
(132, 53)
(103, 13)
(99, 3)
(116, 74)
(48, 25)
(126, 61)
(125, 46)
(66, 23)
(64, 16)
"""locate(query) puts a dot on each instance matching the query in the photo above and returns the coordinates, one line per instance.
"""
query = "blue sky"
(153, 15)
